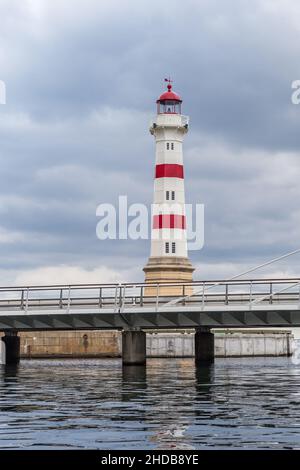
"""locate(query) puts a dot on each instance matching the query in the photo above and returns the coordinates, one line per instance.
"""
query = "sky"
(82, 78)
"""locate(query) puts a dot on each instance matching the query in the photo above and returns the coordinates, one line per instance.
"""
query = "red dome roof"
(169, 95)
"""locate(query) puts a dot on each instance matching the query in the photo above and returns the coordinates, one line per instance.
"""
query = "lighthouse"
(169, 262)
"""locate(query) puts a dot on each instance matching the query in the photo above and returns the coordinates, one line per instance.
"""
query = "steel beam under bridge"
(148, 319)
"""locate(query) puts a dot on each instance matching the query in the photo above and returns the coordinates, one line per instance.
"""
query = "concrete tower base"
(11, 341)
(133, 347)
(168, 270)
(204, 346)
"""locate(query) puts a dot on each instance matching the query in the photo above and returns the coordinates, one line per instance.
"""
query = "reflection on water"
(235, 403)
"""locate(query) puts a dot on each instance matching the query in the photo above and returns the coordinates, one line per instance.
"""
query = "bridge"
(202, 305)
(211, 304)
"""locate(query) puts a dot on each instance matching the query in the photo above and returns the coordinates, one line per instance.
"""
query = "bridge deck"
(214, 304)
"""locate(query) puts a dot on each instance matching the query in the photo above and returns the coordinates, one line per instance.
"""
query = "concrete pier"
(11, 352)
(204, 346)
(133, 347)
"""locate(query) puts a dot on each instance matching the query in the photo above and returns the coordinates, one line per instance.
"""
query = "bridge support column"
(133, 347)
(204, 346)
(11, 353)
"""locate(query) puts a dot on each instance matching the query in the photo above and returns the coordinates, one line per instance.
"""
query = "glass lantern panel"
(169, 107)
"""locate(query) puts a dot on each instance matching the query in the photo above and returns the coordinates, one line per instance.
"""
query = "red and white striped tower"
(168, 260)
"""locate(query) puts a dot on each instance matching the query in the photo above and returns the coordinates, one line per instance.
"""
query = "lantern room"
(169, 102)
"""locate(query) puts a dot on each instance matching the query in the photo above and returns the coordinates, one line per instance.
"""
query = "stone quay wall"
(106, 343)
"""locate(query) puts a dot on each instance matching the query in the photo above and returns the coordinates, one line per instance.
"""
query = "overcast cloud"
(82, 78)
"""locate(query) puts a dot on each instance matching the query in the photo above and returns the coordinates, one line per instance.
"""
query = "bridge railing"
(120, 297)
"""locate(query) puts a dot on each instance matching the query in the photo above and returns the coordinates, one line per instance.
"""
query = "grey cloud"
(82, 85)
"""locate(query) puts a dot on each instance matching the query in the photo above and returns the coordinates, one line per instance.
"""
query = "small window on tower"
(172, 146)
(173, 195)
(167, 195)
(167, 247)
(168, 146)
(173, 247)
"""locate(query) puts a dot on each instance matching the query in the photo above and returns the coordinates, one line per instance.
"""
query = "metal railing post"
(116, 297)
(142, 296)
(271, 293)
(250, 296)
(100, 297)
(27, 298)
(22, 300)
(203, 289)
(61, 299)
(226, 294)
(120, 296)
(123, 298)
(157, 295)
(69, 300)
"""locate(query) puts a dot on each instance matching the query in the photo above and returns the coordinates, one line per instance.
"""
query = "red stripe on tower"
(169, 170)
(169, 221)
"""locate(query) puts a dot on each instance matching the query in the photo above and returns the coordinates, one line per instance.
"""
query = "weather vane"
(169, 82)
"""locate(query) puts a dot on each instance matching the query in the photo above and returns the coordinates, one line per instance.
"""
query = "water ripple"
(95, 404)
